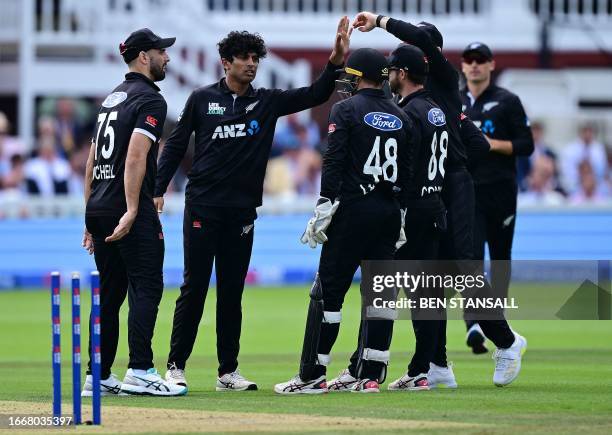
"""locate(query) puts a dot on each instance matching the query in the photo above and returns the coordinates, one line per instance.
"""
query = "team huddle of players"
(395, 185)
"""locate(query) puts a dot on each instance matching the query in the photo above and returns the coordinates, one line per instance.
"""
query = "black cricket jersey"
(233, 138)
(133, 106)
(500, 115)
(369, 142)
(431, 144)
(443, 85)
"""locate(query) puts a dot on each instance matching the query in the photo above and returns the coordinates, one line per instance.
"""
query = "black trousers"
(425, 224)
(366, 229)
(457, 243)
(224, 236)
(495, 218)
(131, 266)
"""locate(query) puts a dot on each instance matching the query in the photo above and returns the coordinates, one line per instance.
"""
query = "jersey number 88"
(436, 165)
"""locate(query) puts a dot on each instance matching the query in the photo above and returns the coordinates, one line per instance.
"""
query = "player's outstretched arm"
(296, 100)
(439, 67)
(173, 152)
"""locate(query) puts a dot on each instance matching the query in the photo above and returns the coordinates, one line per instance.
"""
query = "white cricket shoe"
(296, 386)
(150, 384)
(438, 376)
(176, 376)
(410, 383)
(108, 387)
(366, 386)
(344, 382)
(235, 382)
(508, 361)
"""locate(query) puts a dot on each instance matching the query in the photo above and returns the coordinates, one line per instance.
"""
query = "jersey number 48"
(372, 165)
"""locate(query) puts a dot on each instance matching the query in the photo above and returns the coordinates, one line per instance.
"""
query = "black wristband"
(378, 20)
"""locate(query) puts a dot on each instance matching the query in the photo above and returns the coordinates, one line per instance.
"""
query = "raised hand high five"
(365, 21)
(342, 42)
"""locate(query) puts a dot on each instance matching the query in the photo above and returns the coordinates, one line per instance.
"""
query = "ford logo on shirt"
(436, 117)
(383, 121)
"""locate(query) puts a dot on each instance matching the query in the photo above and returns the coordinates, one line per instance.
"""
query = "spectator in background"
(13, 178)
(541, 184)
(9, 145)
(540, 147)
(589, 192)
(68, 130)
(47, 174)
(586, 148)
(295, 163)
(287, 133)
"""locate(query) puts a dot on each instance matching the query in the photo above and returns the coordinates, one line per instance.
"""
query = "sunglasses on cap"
(478, 58)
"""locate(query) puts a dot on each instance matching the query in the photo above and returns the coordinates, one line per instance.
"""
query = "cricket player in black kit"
(501, 117)
(425, 220)
(356, 218)
(425, 215)
(458, 187)
(122, 226)
(234, 126)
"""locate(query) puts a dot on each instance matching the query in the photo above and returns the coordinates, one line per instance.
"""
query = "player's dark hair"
(241, 43)
(416, 78)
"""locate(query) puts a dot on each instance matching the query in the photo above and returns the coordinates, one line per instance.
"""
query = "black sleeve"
(439, 67)
(296, 100)
(410, 154)
(175, 147)
(522, 139)
(151, 117)
(476, 144)
(335, 155)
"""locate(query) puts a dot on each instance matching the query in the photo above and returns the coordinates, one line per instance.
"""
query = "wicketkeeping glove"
(402, 234)
(317, 225)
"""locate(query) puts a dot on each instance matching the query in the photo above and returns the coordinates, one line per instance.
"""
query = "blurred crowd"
(578, 174)
(575, 173)
(55, 163)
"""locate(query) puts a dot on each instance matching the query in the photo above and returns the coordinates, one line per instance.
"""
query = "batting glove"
(317, 225)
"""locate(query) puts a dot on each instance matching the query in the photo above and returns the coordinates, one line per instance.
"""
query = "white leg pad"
(332, 316)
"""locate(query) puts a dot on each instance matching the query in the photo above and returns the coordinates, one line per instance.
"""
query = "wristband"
(378, 20)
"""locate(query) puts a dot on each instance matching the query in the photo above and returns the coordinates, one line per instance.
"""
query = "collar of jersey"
(137, 76)
(419, 93)
(371, 92)
(223, 86)
(491, 88)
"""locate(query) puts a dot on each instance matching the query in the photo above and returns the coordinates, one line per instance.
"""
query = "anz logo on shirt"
(236, 130)
(488, 127)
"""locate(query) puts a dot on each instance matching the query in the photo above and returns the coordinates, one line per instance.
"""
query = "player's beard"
(394, 85)
(157, 72)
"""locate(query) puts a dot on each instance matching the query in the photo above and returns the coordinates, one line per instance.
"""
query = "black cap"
(367, 63)
(480, 48)
(433, 33)
(142, 40)
(410, 58)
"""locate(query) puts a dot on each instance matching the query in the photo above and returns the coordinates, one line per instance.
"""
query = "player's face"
(477, 68)
(244, 67)
(158, 59)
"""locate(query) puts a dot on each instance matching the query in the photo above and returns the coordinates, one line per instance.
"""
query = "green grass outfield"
(565, 385)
